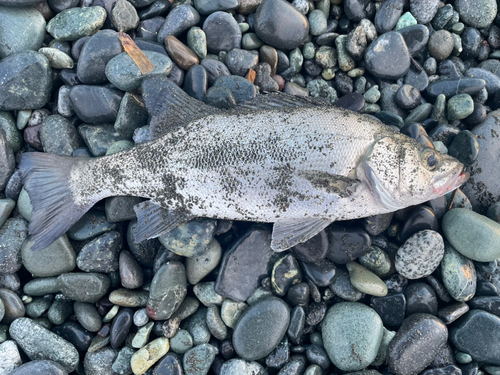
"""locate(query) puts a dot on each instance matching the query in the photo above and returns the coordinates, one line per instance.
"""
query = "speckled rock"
(100, 254)
(197, 361)
(458, 274)
(100, 362)
(84, 287)
(190, 239)
(13, 233)
(75, 23)
(420, 255)
(479, 14)
(57, 258)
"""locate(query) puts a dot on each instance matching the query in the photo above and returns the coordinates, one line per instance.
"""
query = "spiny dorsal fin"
(290, 232)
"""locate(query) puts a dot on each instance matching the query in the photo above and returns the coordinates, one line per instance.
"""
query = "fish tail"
(46, 179)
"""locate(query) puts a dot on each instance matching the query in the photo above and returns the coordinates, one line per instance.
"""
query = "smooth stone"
(83, 287)
(222, 32)
(215, 69)
(197, 41)
(420, 298)
(59, 136)
(7, 123)
(41, 286)
(101, 253)
(170, 364)
(10, 359)
(346, 244)
(121, 365)
(39, 343)
(131, 115)
(416, 344)
(313, 250)
(451, 313)
(459, 107)
(317, 22)
(57, 59)
(148, 29)
(424, 10)
(391, 309)
(99, 139)
(477, 335)
(122, 71)
(37, 307)
(422, 217)
(129, 298)
(439, 288)
(189, 239)
(180, 53)
(388, 15)
(120, 327)
(13, 233)
(366, 281)
(296, 328)
(206, 294)
(472, 235)
(249, 259)
(356, 42)
(286, 272)
(181, 342)
(7, 168)
(131, 275)
(147, 356)
(377, 261)
(167, 291)
(95, 55)
(343, 288)
(458, 274)
(346, 62)
(100, 361)
(388, 57)
(441, 44)
(280, 25)
(231, 312)
(239, 61)
(72, 24)
(145, 251)
(356, 10)
(260, 328)
(95, 104)
(480, 14)
(420, 255)
(40, 367)
(26, 81)
(23, 29)
(197, 361)
(75, 334)
(87, 316)
(492, 80)
(57, 258)
(215, 324)
(321, 272)
(178, 20)
(490, 304)
(13, 306)
(450, 87)
(23, 202)
(238, 366)
(197, 267)
(241, 88)
(124, 16)
(408, 97)
(352, 326)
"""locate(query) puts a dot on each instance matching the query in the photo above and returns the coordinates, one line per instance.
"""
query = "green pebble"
(38, 307)
(57, 59)
(196, 325)
(384, 344)
(129, 298)
(55, 259)
(251, 41)
(316, 338)
(320, 88)
(23, 118)
(296, 59)
(356, 72)
(141, 338)
(458, 28)
(8, 124)
(377, 261)
(191, 238)
(98, 138)
(457, 44)
(492, 370)
(366, 281)
(197, 41)
(326, 57)
(97, 343)
(75, 23)
(59, 136)
(131, 115)
(121, 365)
(439, 146)
(372, 95)
(438, 112)
(119, 146)
(181, 342)
(206, 293)
(317, 22)
(215, 324)
(59, 312)
(84, 287)
(346, 62)
(343, 288)
(458, 274)
(405, 20)
(313, 370)
(309, 51)
(459, 107)
(324, 6)
(421, 113)
(244, 27)
(328, 74)
(41, 286)
(370, 108)
(473, 235)
(231, 311)
(463, 358)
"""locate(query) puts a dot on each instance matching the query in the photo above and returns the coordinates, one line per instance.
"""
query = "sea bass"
(295, 162)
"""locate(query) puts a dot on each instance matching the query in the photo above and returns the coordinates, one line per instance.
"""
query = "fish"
(298, 163)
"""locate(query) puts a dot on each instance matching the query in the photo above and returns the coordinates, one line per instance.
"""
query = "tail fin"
(46, 179)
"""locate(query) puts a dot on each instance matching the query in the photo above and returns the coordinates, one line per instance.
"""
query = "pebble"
(465, 148)
(124, 16)
(75, 334)
(100, 362)
(95, 104)
(391, 308)
(352, 326)
(281, 25)
(480, 14)
(388, 57)
(346, 62)
(87, 316)
(356, 10)
(131, 115)
(239, 366)
(477, 335)
(129, 298)
(41, 286)
(121, 365)
(471, 234)
(13, 233)
(10, 359)
(189, 239)
(197, 267)
(458, 274)
(346, 244)
(23, 29)
(39, 343)
(460, 107)
(101, 253)
(366, 281)
(441, 44)
(75, 23)
(408, 97)
(424, 10)
(420, 298)
(181, 342)
(206, 294)
(197, 361)
(197, 41)
(231, 312)
(83, 287)
(57, 258)
(167, 290)
(131, 275)
(450, 87)
(452, 312)
(170, 364)
(222, 32)
(420, 255)
(260, 328)
(178, 20)
(317, 22)
(40, 367)
(416, 344)
(388, 15)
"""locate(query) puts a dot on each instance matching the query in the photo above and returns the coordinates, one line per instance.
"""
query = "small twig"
(415, 64)
(135, 53)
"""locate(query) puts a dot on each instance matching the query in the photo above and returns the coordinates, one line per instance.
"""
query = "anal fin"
(290, 232)
(154, 220)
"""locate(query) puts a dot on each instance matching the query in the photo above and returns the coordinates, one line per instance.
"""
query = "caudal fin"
(46, 179)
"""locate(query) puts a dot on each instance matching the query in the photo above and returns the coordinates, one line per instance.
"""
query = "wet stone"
(129, 298)
(145, 251)
(313, 250)
(346, 244)
(356, 10)
(377, 261)
(39, 343)
(72, 24)
(55, 259)
(124, 16)
(181, 342)
(387, 57)
(343, 288)
(131, 115)
(178, 20)
(286, 272)
(465, 146)
(41, 286)
(100, 138)
(180, 53)
(451, 313)
(170, 364)
(420, 218)
(197, 361)
(12, 305)
(408, 97)
(388, 15)
(121, 208)
(391, 309)
(261, 328)
(479, 15)
(459, 275)
(83, 287)
(87, 316)
(131, 275)
(197, 267)
(75, 334)
(101, 253)
(91, 225)
(189, 239)
(94, 104)
(38, 307)
(120, 327)
(121, 365)
(420, 298)
(40, 367)
(222, 32)
(350, 325)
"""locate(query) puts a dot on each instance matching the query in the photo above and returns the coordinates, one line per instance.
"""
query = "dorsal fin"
(170, 106)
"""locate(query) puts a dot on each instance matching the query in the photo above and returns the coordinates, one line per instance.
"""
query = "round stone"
(260, 328)
(197, 361)
(101, 253)
(471, 234)
(57, 258)
(479, 14)
(87, 316)
(388, 57)
(75, 23)
(197, 267)
(458, 274)
(280, 24)
(12, 305)
(10, 359)
(420, 255)
(222, 32)
(366, 281)
(83, 287)
(317, 22)
(40, 367)
(441, 45)
(99, 362)
(424, 10)
(351, 327)
(181, 342)
(124, 16)
(459, 107)
(178, 20)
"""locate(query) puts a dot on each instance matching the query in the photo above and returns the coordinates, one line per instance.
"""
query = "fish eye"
(429, 159)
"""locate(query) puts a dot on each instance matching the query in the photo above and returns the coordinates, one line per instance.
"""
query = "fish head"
(402, 172)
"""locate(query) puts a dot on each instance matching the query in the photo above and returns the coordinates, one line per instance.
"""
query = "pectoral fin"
(154, 220)
(290, 232)
(331, 183)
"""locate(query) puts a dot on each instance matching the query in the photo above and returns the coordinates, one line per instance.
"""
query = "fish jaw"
(446, 183)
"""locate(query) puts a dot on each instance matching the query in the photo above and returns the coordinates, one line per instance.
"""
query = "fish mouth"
(450, 182)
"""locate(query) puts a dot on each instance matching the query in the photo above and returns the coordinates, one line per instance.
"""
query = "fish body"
(301, 168)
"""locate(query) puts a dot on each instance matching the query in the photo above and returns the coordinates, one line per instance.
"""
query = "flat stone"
(178, 20)
(120, 208)
(167, 291)
(10, 359)
(209, 6)
(420, 255)
(388, 57)
(458, 274)
(59, 136)
(477, 334)
(391, 308)
(26, 81)
(39, 343)
(57, 258)
(206, 294)
(416, 344)
(452, 312)
(473, 235)
(420, 298)
(180, 53)
(348, 327)
(40, 367)
(75, 23)
(57, 58)
(91, 225)
(239, 61)
(101, 253)
(23, 29)
(281, 25)
(450, 87)
(131, 274)
(84, 287)
(131, 115)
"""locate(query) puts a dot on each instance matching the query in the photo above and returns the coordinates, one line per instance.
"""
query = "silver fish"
(297, 163)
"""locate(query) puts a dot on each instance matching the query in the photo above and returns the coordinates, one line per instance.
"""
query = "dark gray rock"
(7, 160)
(12, 235)
(424, 10)
(480, 14)
(13, 306)
(222, 32)
(211, 6)
(356, 10)
(40, 367)
(241, 88)
(178, 20)
(100, 362)
(99, 138)
(95, 104)
(215, 69)
(101, 253)
(388, 57)
(492, 80)
(388, 15)
(59, 136)
(167, 290)
(239, 61)
(83, 287)
(195, 83)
